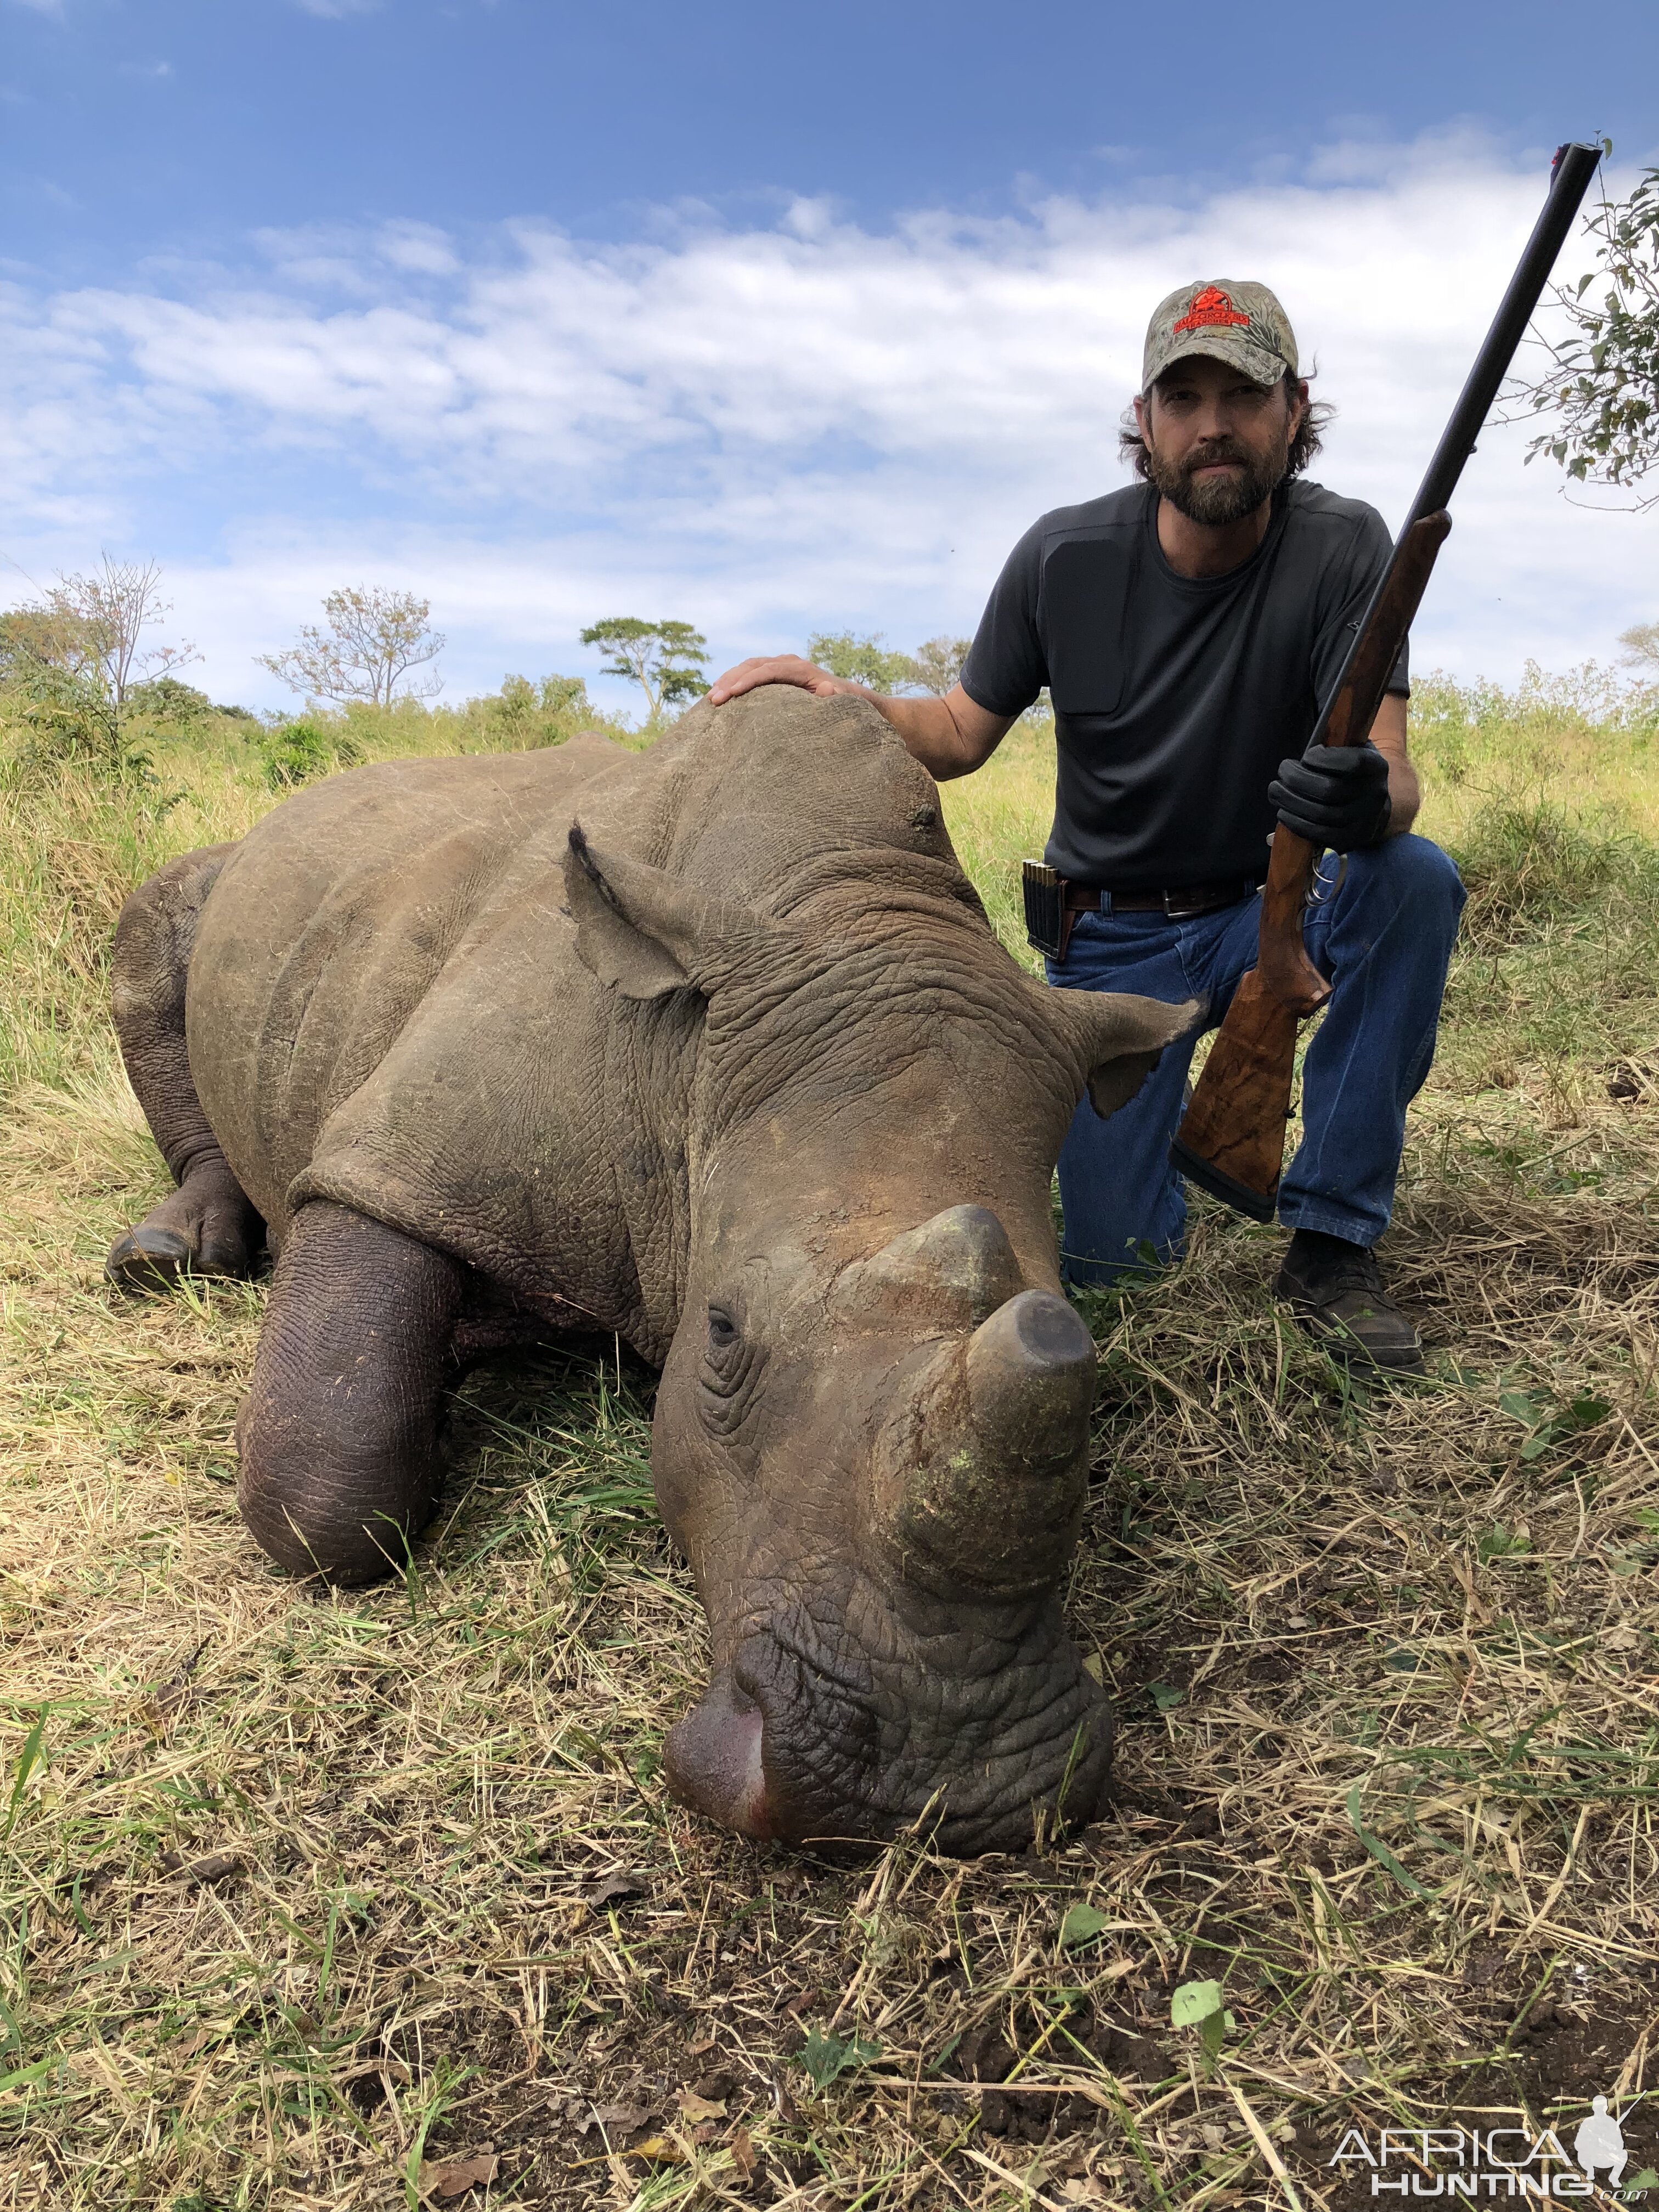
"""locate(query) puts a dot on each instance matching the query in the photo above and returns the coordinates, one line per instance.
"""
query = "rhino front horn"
(1030, 1384)
(985, 1471)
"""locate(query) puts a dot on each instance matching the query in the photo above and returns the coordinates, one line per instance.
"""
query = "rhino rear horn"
(1120, 1038)
(958, 1266)
(643, 932)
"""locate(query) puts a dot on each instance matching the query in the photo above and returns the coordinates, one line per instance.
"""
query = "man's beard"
(1218, 500)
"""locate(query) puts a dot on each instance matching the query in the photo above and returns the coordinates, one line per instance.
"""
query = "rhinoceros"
(711, 1046)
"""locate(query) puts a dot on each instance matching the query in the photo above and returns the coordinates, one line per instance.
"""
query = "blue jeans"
(1382, 930)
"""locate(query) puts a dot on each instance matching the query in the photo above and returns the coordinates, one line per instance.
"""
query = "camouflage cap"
(1241, 324)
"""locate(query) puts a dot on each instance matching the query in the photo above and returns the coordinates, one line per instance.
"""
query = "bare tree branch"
(372, 641)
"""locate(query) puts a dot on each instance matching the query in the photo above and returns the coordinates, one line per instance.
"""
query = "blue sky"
(765, 318)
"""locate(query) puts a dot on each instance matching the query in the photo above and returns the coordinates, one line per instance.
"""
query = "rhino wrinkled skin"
(711, 1046)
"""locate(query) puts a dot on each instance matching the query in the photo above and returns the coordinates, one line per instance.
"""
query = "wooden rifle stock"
(1231, 1139)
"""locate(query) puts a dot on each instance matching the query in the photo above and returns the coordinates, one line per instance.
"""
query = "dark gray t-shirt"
(1175, 698)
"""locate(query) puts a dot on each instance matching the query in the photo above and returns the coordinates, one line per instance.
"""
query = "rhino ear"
(1122, 1038)
(642, 933)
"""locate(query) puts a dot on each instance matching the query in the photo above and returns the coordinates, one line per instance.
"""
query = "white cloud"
(767, 428)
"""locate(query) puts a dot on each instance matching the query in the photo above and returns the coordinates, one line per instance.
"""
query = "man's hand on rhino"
(778, 668)
(949, 736)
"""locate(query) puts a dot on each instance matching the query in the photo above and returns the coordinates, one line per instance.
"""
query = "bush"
(165, 699)
(528, 715)
(66, 719)
(1458, 728)
(297, 752)
(1526, 862)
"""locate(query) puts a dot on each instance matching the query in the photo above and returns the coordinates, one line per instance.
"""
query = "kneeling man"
(1186, 629)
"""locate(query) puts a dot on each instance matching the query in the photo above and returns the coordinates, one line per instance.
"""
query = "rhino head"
(871, 1436)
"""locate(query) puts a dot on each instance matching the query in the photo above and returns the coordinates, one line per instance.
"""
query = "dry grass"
(306, 1899)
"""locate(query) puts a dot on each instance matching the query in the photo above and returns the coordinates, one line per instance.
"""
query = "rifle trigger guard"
(1317, 897)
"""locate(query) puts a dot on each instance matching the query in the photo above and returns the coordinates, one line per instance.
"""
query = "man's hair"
(1309, 434)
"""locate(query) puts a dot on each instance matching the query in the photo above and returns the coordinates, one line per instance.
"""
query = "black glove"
(1335, 796)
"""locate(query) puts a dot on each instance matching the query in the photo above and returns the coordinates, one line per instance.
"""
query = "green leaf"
(1194, 2003)
(26, 1761)
(826, 2057)
(24, 2075)
(1081, 1925)
(1165, 1696)
(1380, 1851)
(1500, 1541)
(1521, 1405)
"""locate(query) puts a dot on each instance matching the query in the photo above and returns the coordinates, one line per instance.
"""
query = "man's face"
(1215, 443)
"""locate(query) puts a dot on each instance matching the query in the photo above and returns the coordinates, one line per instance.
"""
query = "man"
(1188, 628)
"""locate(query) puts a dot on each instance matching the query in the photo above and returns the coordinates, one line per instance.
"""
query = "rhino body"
(713, 1047)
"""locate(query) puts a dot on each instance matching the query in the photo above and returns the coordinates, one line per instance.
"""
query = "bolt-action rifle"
(1231, 1139)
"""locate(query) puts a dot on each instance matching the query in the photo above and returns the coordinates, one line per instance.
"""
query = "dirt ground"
(376, 1898)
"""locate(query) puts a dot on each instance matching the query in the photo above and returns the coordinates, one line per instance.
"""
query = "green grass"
(1385, 1661)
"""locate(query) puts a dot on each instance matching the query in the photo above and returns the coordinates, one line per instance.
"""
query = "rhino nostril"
(713, 1759)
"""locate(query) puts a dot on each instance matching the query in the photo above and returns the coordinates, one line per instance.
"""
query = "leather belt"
(1188, 899)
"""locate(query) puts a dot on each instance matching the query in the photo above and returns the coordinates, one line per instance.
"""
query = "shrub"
(296, 752)
(1527, 861)
(527, 714)
(67, 719)
(165, 699)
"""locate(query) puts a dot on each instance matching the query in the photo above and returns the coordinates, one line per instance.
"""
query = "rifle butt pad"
(1260, 1206)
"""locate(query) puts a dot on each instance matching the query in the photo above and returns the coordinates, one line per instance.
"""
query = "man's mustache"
(1220, 449)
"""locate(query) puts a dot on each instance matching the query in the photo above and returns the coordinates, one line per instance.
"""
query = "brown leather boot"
(1336, 1291)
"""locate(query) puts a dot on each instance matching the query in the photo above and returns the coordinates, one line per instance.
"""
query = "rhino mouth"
(966, 1726)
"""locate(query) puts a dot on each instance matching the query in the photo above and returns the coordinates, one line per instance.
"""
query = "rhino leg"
(338, 1435)
(207, 1225)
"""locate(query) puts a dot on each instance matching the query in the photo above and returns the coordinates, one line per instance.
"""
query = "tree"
(939, 664)
(373, 639)
(1641, 645)
(1603, 383)
(93, 627)
(36, 637)
(78, 659)
(863, 660)
(667, 659)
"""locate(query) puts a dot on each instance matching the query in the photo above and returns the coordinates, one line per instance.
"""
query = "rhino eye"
(729, 1366)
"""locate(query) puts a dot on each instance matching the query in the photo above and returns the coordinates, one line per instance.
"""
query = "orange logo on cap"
(1211, 307)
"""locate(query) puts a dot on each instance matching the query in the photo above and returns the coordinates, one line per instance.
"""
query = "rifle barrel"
(1570, 179)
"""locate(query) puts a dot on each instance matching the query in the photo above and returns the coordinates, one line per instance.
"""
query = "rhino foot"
(146, 1261)
(205, 1227)
(341, 1462)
